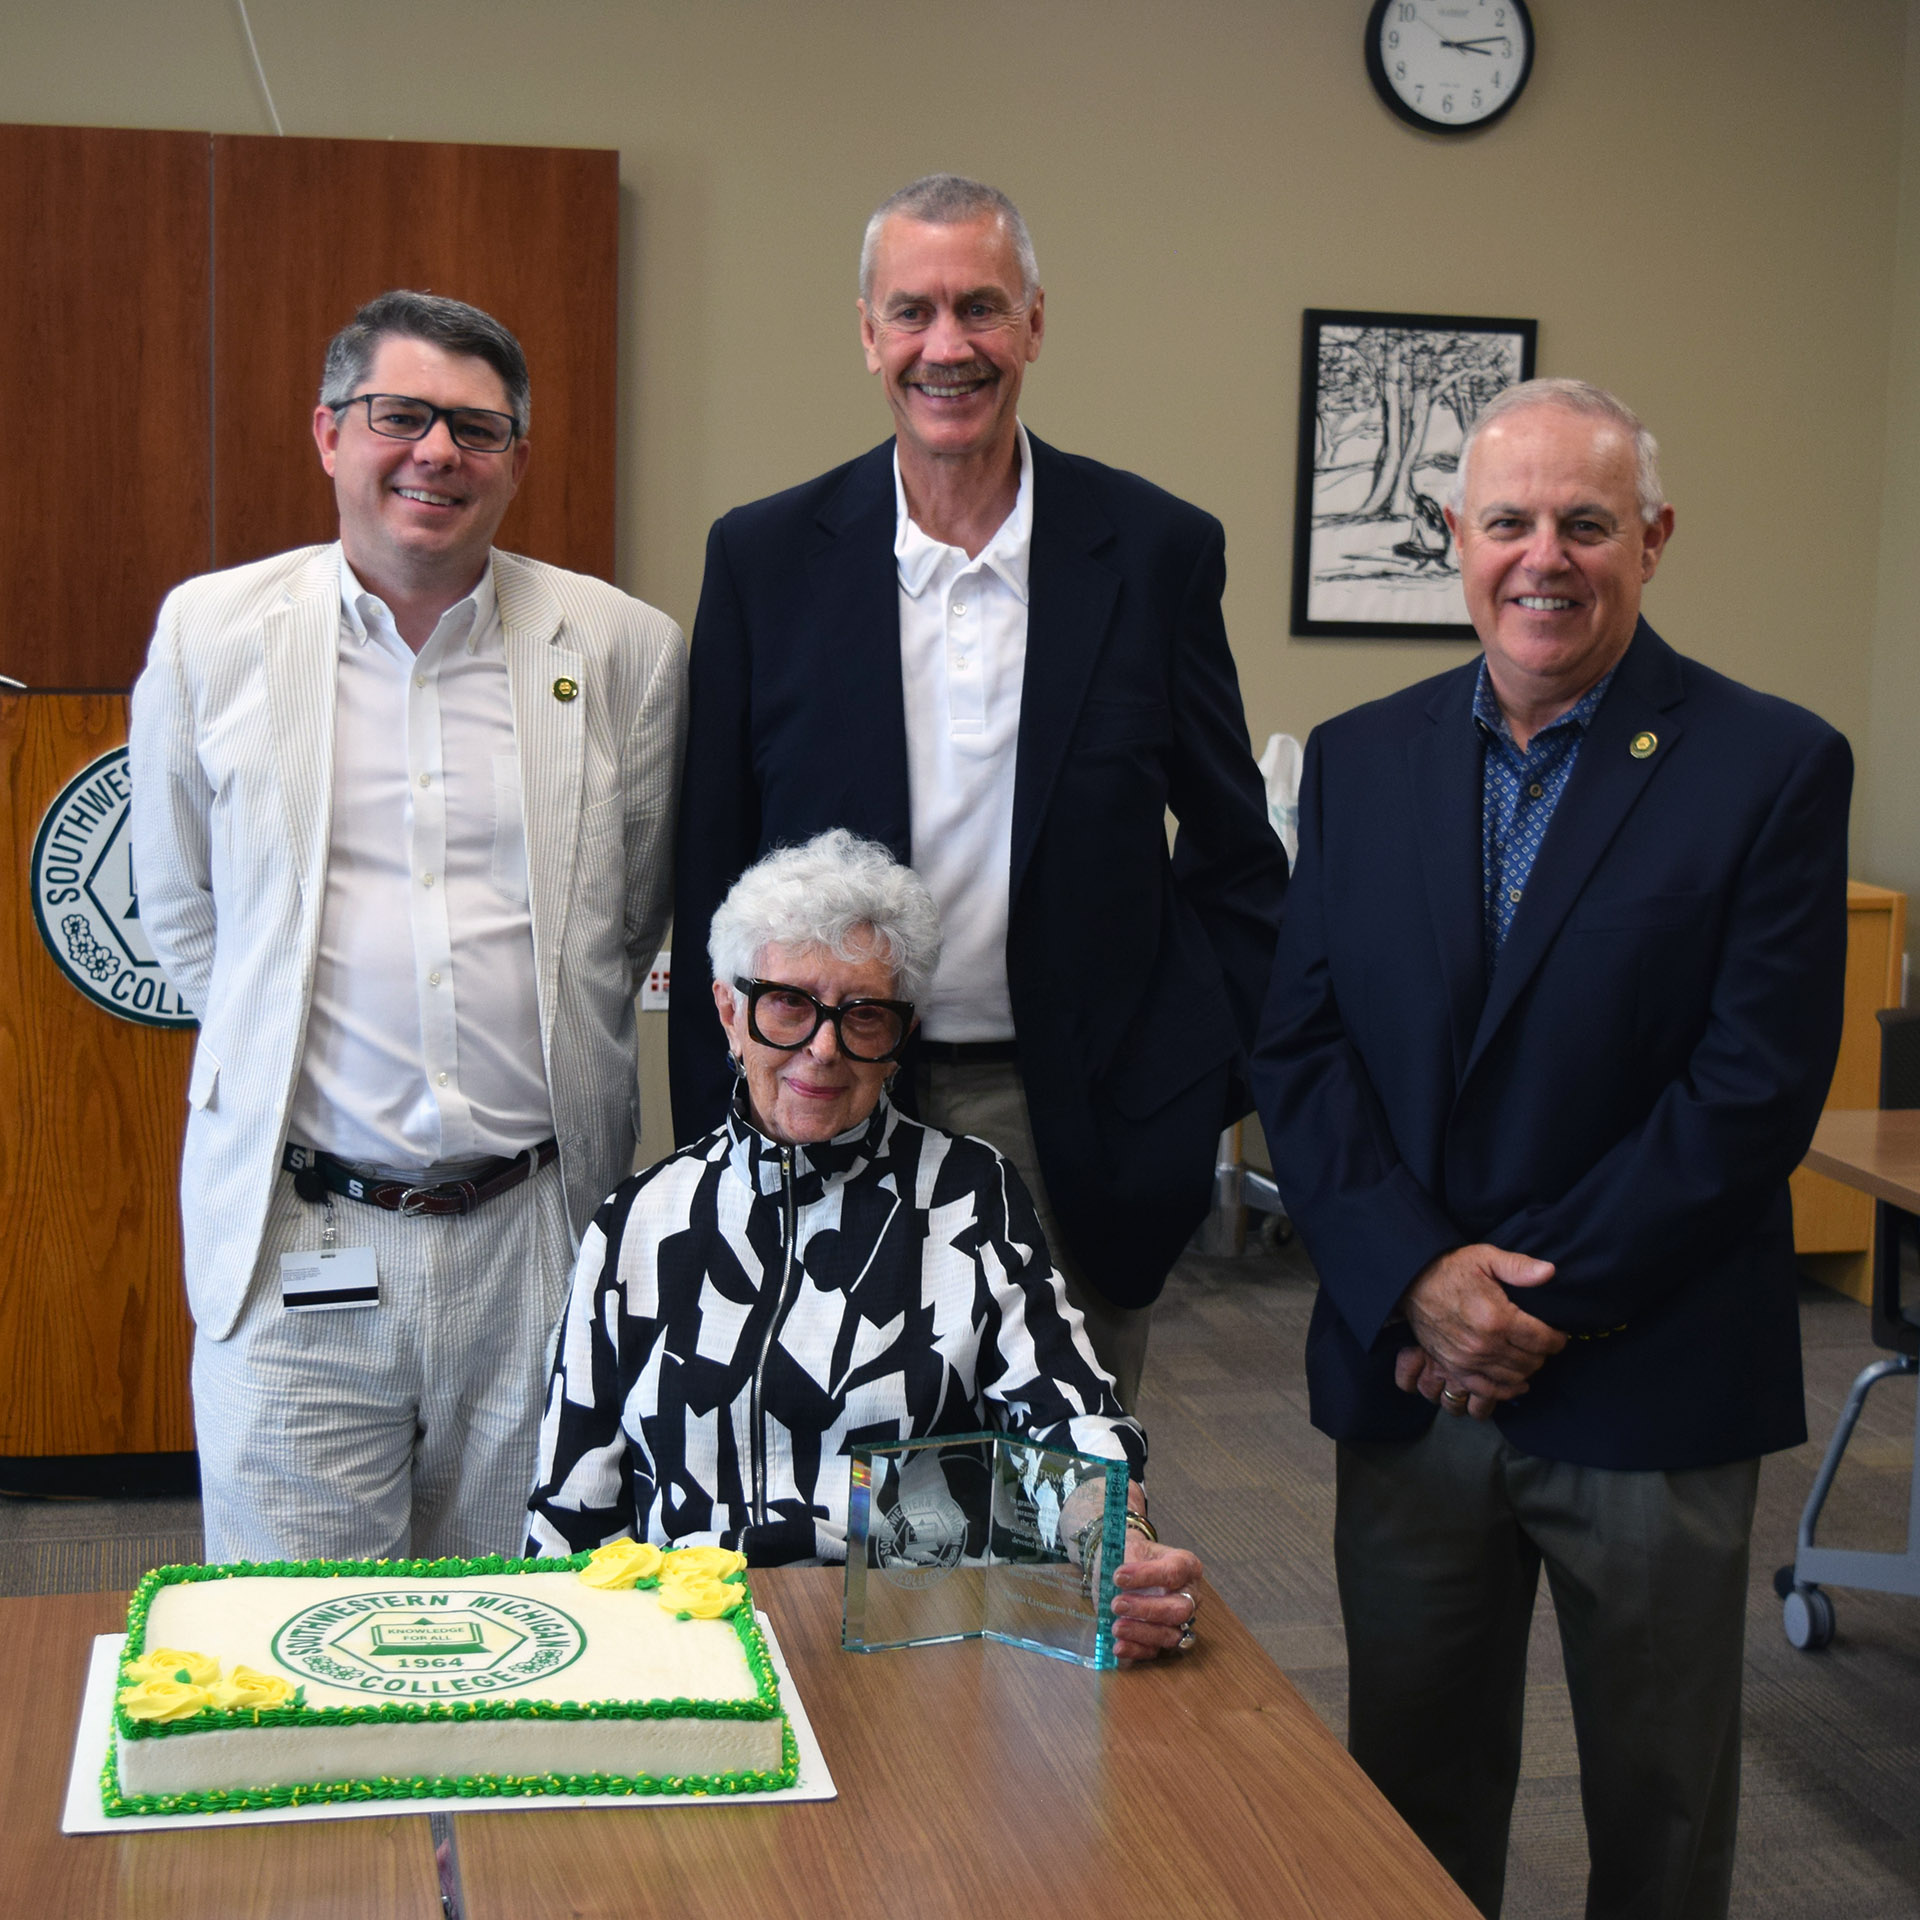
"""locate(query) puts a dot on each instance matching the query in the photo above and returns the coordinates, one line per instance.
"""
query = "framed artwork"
(1385, 400)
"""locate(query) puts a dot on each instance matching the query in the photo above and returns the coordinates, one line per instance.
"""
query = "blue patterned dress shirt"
(1518, 794)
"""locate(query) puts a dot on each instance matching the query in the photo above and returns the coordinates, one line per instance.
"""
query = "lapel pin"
(1641, 746)
(565, 689)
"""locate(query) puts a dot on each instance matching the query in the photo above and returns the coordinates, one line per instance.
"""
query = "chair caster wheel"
(1276, 1230)
(1807, 1616)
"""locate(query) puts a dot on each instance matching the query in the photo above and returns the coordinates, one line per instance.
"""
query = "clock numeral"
(1419, 93)
(1403, 12)
(1393, 36)
(1399, 69)
(1499, 16)
(1446, 103)
(1496, 79)
(1474, 100)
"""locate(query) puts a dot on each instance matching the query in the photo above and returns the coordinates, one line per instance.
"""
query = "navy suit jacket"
(1136, 977)
(1625, 1096)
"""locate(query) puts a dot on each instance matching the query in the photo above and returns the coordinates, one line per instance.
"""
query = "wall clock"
(1449, 66)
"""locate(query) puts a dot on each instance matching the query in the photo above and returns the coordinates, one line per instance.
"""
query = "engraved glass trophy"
(984, 1536)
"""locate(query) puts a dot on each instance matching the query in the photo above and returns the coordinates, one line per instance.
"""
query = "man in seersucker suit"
(403, 818)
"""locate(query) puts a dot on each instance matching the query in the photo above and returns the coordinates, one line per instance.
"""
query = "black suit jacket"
(1627, 1093)
(1135, 976)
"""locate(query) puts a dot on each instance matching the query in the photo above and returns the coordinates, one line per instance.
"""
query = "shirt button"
(1533, 792)
(433, 979)
(426, 879)
(442, 1078)
(959, 609)
(1513, 894)
(426, 780)
(419, 679)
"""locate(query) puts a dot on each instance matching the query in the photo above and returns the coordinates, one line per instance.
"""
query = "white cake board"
(84, 1813)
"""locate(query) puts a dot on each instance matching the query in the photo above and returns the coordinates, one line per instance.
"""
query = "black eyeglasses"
(788, 1017)
(396, 417)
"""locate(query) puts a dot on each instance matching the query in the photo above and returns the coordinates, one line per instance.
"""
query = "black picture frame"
(1406, 384)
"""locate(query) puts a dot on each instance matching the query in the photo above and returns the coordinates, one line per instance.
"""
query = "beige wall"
(1698, 202)
(1887, 815)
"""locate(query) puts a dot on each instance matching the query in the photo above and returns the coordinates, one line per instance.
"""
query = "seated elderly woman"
(820, 1271)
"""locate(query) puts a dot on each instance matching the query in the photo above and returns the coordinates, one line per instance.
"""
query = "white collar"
(356, 600)
(1009, 553)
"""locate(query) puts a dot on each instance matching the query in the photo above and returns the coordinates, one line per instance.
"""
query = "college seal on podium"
(86, 900)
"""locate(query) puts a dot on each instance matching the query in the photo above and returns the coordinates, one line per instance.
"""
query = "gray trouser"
(406, 1429)
(990, 1102)
(1438, 1545)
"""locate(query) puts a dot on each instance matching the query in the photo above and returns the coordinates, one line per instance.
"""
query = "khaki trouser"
(990, 1102)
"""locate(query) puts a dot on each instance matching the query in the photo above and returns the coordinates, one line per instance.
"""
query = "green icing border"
(764, 1706)
(483, 1786)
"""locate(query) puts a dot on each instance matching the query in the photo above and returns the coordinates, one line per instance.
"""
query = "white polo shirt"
(963, 657)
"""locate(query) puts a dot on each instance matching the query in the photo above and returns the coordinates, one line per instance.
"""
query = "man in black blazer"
(1555, 1007)
(1007, 663)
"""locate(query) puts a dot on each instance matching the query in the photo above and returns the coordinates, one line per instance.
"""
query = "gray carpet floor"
(1830, 1803)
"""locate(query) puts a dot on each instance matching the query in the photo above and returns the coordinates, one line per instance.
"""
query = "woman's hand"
(1153, 1599)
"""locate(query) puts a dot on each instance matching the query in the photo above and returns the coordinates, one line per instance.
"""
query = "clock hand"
(1467, 46)
(1474, 46)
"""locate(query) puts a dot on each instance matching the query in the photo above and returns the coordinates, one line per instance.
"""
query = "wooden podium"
(93, 1323)
(166, 303)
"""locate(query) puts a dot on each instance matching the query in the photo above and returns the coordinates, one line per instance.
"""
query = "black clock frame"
(1377, 73)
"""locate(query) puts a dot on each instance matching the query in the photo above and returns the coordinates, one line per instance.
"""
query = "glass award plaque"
(974, 1536)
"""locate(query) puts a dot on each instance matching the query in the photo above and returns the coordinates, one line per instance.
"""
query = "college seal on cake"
(440, 1644)
(86, 901)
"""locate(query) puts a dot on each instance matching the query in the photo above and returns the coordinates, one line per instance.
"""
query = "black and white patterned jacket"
(743, 1312)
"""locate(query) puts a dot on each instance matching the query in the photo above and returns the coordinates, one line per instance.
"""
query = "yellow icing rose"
(621, 1564)
(719, 1562)
(172, 1663)
(700, 1594)
(163, 1700)
(249, 1690)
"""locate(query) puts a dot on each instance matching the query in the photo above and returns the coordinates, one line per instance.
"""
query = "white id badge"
(329, 1277)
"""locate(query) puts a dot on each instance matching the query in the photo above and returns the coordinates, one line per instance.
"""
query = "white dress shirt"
(963, 656)
(423, 1042)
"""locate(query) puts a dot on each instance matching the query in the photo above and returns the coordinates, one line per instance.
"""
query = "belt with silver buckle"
(316, 1174)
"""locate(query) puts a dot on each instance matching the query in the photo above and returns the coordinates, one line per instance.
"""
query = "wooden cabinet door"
(306, 231)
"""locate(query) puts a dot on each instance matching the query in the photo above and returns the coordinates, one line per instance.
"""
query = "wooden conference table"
(972, 1778)
(1874, 1149)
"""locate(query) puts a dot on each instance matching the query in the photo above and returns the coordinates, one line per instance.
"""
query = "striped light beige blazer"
(232, 763)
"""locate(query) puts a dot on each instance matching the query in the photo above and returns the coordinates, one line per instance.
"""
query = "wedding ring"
(1452, 1397)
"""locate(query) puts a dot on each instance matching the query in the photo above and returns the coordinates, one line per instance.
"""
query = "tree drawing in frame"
(1385, 401)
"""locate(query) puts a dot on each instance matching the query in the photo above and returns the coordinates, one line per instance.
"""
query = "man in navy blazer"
(1008, 664)
(1556, 1003)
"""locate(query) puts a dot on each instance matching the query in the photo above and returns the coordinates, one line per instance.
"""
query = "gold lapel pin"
(1641, 746)
(565, 689)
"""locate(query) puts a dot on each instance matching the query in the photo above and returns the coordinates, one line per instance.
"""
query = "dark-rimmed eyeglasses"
(396, 416)
(788, 1017)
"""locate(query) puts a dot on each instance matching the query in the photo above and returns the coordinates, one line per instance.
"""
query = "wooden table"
(1875, 1150)
(977, 1779)
(316, 1870)
(972, 1779)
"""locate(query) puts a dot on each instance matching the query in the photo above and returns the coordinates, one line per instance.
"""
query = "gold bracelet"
(1141, 1524)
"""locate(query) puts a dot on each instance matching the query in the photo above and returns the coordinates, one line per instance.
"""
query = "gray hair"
(950, 200)
(838, 892)
(1573, 396)
(451, 325)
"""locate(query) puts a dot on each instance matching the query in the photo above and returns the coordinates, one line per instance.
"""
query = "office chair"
(1806, 1611)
